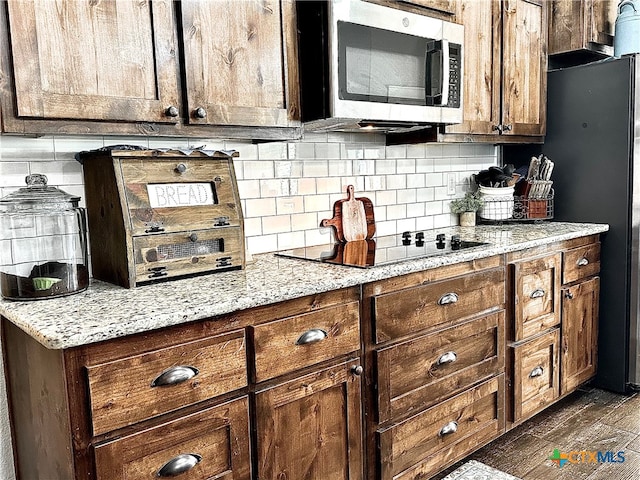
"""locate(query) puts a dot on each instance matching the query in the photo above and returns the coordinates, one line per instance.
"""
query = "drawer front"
(135, 388)
(418, 373)
(537, 295)
(295, 342)
(579, 263)
(168, 255)
(536, 374)
(213, 443)
(420, 445)
(159, 196)
(436, 305)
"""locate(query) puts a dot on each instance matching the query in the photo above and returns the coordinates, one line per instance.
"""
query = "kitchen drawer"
(128, 390)
(420, 372)
(299, 341)
(179, 194)
(581, 262)
(536, 381)
(536, 295)
(419, 446)
(216, 440)
(438, 304)
(173, 254)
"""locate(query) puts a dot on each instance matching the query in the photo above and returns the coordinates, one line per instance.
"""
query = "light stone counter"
(106, 311)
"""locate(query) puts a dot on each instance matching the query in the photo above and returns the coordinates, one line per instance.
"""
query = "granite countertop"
(106, 311)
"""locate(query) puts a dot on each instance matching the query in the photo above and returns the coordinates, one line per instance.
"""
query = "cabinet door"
(240, 62)
(579, 333)
(589, 24)
(482, 67)
(536, 299)
(524, 67)
(311, 427)
(112, 60)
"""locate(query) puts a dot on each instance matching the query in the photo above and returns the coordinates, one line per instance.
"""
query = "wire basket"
(516, 209)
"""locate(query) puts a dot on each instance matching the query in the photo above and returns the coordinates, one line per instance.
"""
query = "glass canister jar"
(43, 242)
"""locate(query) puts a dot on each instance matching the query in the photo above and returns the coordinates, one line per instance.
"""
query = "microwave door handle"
(445, 72)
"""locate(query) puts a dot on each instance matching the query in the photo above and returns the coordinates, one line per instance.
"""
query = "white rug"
(473, 470)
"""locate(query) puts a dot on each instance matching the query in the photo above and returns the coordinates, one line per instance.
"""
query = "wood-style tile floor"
(588, 420)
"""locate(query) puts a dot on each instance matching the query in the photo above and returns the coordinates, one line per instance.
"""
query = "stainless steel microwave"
(367, 66)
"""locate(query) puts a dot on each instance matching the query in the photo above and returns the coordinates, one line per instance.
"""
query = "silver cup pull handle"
(451, 427)
(448, 298)
(537, 293)
(448, 357)
(175, 375)
(178, 465)
(536, 372)
(583, 262)
(312, 336)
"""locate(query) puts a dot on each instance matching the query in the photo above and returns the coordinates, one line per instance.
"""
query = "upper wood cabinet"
(582, 27)
(505, 65)
(154, 68)
(235, 58)
(113, 60)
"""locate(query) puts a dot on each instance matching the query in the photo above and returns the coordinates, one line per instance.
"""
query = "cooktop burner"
(382, 250)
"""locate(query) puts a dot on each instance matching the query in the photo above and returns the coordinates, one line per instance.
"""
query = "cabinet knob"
(448, 357)
(171, 111)
(568, 295)
(357, 370)
(181, 168)
(311, 336)
(193, 237)
(536, 372)
(175, 375)
(200, 113)
(451, 427)
(507, 128)
(179, 464)
(537, 293)
(583, 262)
(448, 298)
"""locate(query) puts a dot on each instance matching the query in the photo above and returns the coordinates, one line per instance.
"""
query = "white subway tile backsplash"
(317, 203)
(289, 205)
(340, 168)
(258, 169)
(260, 207)
(287, 188)
(396, 182)
(396, 151)
(328, 151)
(12, 174)
(272, 151)
(276, 224)
(249, 188)
(315, 168)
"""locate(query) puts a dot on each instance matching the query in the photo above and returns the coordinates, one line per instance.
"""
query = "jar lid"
(38, 195)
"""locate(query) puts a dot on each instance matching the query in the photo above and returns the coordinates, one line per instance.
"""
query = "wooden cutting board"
(353, 218)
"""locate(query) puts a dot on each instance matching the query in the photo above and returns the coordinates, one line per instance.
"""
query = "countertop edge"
(78, 319)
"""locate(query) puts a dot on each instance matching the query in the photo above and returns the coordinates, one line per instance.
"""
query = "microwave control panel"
(455, 61)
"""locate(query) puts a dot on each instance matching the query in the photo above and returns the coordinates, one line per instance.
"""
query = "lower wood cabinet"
(394, 379)
(579, 333)
(311, 427)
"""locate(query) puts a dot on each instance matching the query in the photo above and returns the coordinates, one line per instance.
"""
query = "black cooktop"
(382, 250)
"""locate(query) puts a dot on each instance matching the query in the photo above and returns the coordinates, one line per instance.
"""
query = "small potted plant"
(466, 207)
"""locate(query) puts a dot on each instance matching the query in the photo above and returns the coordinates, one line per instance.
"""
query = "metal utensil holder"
(525, 208)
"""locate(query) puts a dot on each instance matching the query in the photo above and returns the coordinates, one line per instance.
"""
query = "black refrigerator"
(593, 135)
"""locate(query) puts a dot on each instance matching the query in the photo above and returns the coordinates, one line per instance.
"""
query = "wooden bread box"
(159, 214)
